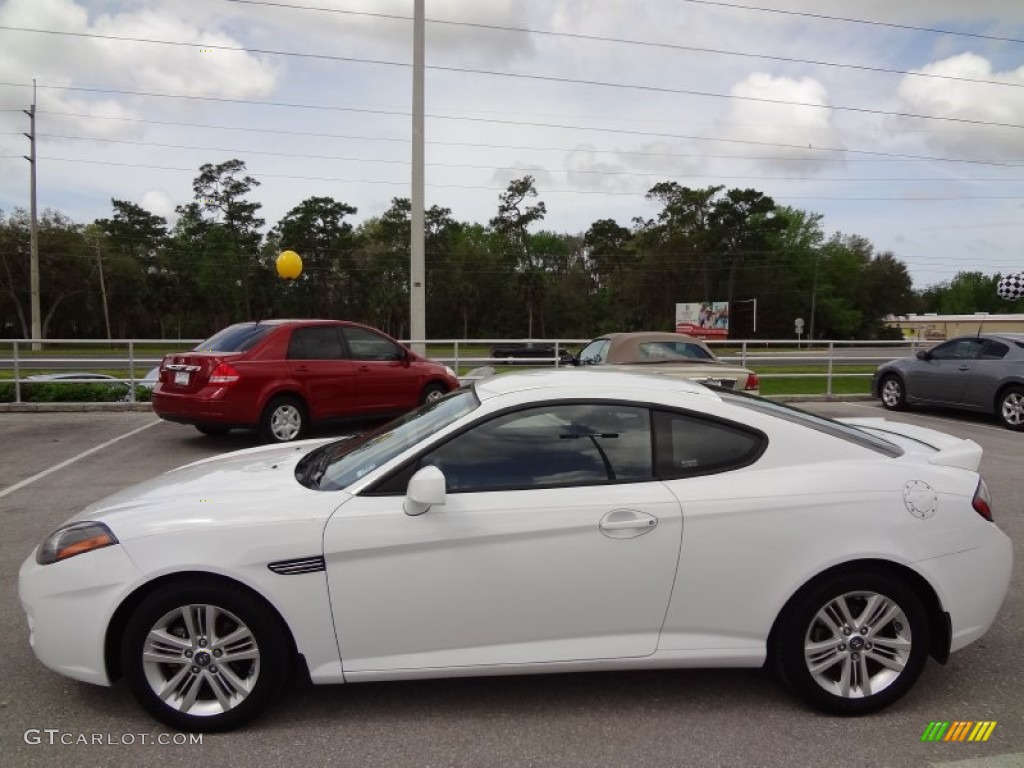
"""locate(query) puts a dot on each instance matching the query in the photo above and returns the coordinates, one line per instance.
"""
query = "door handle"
(964, 368)
(625, 525)
(302, 369)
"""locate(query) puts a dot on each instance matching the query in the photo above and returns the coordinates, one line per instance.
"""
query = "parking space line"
(40, 475)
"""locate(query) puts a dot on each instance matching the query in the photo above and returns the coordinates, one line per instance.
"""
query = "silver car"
(983, 373)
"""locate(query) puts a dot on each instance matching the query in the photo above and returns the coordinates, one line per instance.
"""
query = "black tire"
(433, 391)
(212, 429)
(892, 392)
(1010, 408)
(284, 419)
(853, 650)
(202, 657)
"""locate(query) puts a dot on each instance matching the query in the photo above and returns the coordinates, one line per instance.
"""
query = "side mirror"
(427, 488)
(924, 354)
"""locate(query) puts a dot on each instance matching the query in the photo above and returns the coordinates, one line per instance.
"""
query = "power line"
(888, 157)
(525, 76)
(902, 198)
(521, 123)
(630, 41)
(850, 20)
(342, 158)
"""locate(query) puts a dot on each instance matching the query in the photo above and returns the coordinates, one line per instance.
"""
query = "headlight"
(450, 371)
(73, 540)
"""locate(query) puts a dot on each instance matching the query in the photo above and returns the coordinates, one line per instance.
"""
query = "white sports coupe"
(550, 521)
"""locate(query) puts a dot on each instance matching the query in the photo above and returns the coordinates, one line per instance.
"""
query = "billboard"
(705, 319)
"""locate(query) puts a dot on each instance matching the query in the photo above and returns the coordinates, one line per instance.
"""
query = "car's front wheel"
(893, 395)
(284, 419)
(853, 643)
(1010, 408)
(204, 655)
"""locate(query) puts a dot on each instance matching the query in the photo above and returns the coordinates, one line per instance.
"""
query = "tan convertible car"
(672, 354)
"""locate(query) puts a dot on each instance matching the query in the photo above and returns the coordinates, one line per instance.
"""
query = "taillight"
(224, 374)
(982, 501)
(753, 382)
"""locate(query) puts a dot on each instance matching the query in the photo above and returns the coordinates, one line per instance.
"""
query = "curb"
(75, 407)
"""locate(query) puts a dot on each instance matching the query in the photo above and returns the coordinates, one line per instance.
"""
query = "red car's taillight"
(224, 374)
(982, 501)
(753, 382)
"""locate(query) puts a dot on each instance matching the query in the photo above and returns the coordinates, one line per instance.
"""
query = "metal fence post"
(743, 354)
(558, 357)
(131, 372)
(17, 375)
(456, 366)
(828, 381)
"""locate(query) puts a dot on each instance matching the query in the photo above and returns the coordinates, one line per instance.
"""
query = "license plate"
(181, 378)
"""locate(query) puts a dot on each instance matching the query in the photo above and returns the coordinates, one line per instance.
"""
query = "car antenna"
(981, 325)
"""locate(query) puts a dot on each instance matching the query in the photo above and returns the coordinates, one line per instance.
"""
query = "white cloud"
(962, 100)
(159, 202)
(800, 129)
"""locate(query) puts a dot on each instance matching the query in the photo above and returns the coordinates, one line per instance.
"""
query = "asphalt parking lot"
(53, 464)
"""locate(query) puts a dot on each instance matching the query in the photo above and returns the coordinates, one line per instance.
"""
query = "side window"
(690, 446)
(993, 350)
(317, 342)
(961, 349)
(553, 445)
(367, 345)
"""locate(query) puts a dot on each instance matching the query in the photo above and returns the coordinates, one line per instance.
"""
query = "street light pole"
(37, 329)
(417, 246)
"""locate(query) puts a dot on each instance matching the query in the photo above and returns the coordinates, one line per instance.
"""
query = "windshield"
(836, 429)
(338, 465)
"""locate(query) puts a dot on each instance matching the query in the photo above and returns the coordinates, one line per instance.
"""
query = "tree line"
(133, 275)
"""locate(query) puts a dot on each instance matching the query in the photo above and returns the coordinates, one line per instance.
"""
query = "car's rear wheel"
(212, 429)
(892, 393)
(433, 392)
(284, 419)
(203, 655)
(1010, 408)
(853, 643)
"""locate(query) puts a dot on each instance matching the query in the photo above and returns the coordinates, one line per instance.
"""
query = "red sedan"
(279, 376)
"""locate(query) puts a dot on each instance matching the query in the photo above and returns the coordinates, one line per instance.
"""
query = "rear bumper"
(972, 585)
(208, 406)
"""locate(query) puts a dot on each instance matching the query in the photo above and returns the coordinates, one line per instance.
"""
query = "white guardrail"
(135, 356)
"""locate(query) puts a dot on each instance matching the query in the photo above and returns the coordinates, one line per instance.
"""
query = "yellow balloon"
(289, 265)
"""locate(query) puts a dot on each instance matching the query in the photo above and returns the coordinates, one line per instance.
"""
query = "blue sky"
(593, 149)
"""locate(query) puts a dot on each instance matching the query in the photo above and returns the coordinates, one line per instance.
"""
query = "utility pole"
(103, 287)
(814, 297)
(417, 269)
(37, 330)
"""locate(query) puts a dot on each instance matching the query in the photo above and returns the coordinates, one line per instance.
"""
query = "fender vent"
(297, 566)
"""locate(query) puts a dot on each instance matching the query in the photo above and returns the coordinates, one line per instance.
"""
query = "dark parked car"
(513, 354)
(978, 373)
(279, 376)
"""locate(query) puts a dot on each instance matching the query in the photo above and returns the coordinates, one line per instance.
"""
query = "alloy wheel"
(201, 660)
(858, 644)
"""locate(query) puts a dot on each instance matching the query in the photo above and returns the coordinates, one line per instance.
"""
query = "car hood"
(248, 487)
(937, 447)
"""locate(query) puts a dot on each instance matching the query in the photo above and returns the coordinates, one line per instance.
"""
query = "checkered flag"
(1011, 287)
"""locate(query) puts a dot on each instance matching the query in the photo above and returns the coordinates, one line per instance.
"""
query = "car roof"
(590, 382)
(640, 336)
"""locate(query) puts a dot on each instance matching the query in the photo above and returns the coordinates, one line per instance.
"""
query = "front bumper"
(69, 605)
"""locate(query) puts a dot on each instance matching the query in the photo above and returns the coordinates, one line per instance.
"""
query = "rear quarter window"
(690, 446)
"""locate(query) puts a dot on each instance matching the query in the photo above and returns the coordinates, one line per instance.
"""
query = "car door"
(942, 376)
(317, 361)
(987, 374)
(384, 378)
(555, 544)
